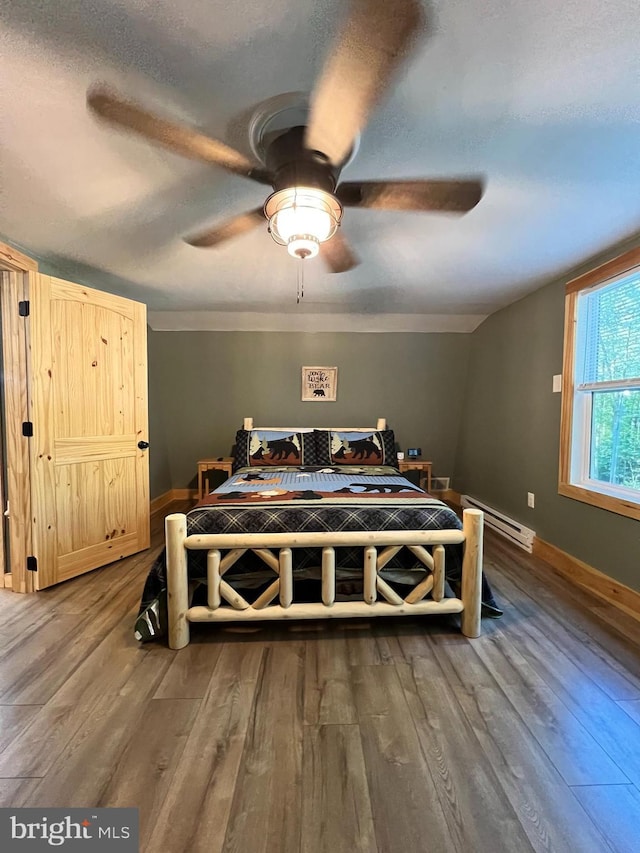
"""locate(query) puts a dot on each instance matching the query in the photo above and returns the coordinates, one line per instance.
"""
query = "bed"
(318, 524)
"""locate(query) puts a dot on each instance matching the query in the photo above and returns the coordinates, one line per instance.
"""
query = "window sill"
(613, 504)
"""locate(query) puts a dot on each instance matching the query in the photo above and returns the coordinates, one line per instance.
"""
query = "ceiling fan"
(303, 164)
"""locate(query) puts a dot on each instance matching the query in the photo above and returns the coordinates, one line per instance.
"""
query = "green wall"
(480, 406)
(510, 436)
(159, 468)
(202, 385)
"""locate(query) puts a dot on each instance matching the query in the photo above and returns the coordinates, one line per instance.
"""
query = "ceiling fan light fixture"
(301, 218)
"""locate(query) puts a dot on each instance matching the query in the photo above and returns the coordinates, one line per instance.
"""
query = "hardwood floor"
(396, 736)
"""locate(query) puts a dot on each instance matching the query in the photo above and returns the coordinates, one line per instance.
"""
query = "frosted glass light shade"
(301, 218)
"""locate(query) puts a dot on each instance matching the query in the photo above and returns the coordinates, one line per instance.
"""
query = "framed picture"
(319, 384)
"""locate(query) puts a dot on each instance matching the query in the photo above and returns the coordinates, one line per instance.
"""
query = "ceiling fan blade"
(445, 196)
(177, 138)
(338, 255)
(375, 39)
(227, 230)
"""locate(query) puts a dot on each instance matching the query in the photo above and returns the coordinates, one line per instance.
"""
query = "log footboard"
(225, 604)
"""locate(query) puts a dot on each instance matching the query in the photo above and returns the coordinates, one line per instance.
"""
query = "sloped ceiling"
(543, 99)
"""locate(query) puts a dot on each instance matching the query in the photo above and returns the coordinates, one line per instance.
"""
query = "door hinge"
(23, 308)
(32, 564)
(27, 429)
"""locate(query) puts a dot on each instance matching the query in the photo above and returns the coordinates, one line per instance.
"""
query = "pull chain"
(300, 282)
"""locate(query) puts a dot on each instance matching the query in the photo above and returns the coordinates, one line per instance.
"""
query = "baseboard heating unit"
(440, 484)
(502, 524)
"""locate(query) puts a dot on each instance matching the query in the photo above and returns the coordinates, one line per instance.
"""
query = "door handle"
(143, 445)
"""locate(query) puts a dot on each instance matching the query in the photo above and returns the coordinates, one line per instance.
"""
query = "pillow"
(260, 447)
(345, 447)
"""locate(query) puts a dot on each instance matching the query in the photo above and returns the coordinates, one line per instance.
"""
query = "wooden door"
(88, 407)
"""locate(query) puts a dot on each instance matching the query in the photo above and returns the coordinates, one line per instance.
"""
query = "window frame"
(623, 265)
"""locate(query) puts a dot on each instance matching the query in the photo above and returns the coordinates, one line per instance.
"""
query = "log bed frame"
(225, 604)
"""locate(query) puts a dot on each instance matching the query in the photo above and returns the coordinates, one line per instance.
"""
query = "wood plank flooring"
(395, 736)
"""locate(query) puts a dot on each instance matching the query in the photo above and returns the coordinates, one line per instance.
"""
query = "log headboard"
(380, 425)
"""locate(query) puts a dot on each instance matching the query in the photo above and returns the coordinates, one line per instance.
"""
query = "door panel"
(85, 493)
(90, 481)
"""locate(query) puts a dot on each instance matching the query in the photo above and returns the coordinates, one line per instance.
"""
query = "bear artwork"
(383, 488)
(281, 448)
(363, 448)
(318, 392)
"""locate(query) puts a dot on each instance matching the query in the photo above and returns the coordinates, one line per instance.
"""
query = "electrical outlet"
(557, 383)
(531, 499)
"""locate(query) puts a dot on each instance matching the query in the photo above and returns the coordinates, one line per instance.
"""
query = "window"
(600, 432)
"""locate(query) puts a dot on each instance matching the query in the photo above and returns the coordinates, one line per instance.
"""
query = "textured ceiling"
(543, 99)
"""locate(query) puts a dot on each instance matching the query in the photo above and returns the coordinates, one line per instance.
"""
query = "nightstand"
(223, 463)
(418, 465)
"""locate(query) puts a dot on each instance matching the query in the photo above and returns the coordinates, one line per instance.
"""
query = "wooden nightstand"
(418, 465)
(223, 463)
